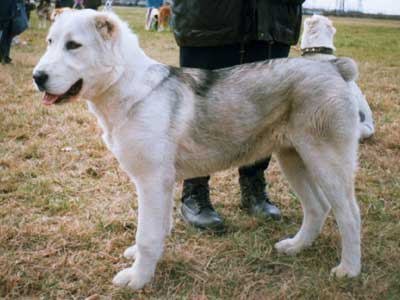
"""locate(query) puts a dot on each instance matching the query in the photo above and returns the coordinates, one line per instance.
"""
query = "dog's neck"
(109, 105)
(317, 46)
(316, 50)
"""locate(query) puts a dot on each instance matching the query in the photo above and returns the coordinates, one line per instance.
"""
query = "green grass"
(67, 211)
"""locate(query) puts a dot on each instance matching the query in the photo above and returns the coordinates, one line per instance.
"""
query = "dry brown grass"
(67, 212)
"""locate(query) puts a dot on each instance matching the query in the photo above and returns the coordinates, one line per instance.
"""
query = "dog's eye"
(71, 45)
(49, 41)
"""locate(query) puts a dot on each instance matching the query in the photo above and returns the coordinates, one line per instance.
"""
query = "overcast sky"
(388, 7)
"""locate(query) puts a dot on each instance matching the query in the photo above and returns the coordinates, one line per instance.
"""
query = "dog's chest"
(105, 126)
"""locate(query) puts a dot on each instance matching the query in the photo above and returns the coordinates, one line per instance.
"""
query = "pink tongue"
(49, 99)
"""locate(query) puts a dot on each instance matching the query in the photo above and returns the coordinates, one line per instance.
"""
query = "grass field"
(67, 211)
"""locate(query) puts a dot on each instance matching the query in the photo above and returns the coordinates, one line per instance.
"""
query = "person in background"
(92, 4)
(64, 3)
(29, 6)
(78, 4)
(7, 11)
(217, 34)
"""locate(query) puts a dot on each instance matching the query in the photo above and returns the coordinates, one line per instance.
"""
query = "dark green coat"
(64, 3)
(7, 10)
(203, 23)
(92, 4)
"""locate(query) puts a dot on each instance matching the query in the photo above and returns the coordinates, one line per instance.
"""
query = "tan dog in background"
(44, 13)
(164, 17)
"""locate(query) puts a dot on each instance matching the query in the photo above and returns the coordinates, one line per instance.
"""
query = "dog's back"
(267, 95)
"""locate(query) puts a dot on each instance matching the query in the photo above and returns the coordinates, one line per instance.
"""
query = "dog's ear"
(106, 27)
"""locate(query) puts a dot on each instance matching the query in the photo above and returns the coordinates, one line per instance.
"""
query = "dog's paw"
(288, 246)
(131, 278)
(342, 271)
(130, 252)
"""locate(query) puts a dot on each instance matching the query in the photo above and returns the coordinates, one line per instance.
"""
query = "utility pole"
(340, 6)
(360, 6)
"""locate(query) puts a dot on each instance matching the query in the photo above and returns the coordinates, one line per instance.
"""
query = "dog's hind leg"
(315, 206)
(154, 221)
(332, 165)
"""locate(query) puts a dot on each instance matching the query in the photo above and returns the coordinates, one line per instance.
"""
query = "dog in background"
(151, 19)
(164, 17)
(317, 43)
(44, 13)
(158, 19)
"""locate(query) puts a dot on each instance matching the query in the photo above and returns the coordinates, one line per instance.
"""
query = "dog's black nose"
(40, 78)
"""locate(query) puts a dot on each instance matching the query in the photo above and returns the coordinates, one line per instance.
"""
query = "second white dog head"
(318, 32)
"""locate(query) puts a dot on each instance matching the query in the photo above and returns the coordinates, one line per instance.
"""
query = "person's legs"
(1, 45)
(209, 58)
(261, 50)
(5, 45)
(196, 207)
(254, 197)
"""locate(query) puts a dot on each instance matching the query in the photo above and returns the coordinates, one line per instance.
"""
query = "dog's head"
(79, 60)
(318, 32)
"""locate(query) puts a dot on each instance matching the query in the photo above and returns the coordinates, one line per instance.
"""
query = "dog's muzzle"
(71, 93)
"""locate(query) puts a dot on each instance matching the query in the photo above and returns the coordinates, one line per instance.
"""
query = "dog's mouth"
(73, 91)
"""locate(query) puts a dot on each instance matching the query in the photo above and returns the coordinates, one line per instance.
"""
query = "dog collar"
(316, 50)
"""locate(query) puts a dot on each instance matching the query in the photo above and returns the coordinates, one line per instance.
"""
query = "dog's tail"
(346, 67)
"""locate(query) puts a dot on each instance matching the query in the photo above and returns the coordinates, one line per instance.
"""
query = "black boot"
(7, 60)
(196, 207)
(254, 197)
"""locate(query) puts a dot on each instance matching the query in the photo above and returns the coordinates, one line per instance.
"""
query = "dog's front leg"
(155, 192)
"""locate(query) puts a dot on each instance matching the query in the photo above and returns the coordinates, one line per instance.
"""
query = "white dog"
(164, 124)
(151, 19)
(317, 43)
